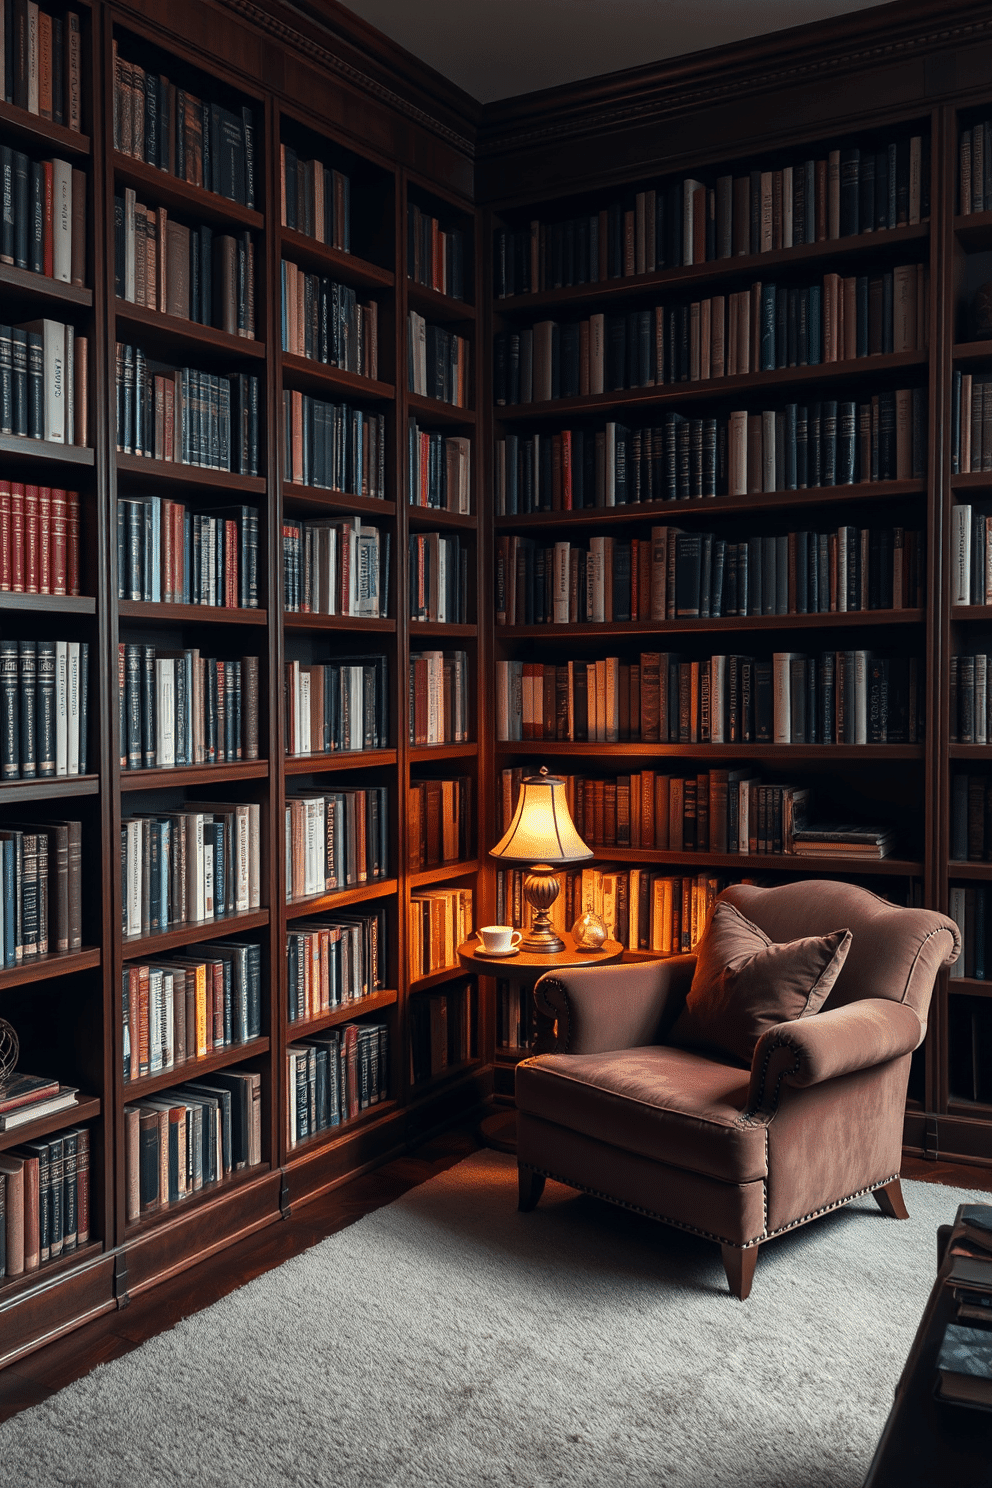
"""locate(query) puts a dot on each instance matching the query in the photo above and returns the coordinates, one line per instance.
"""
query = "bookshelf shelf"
(968, 987)
(435, 306)
(173, 1214)
(422, 753)
(333, 1136)
(430, 516)
(960, 614)
(437, 978)
(310, 500)
(183, 614)
(419, 878)
(834, 619)
(154, 185)
(375, 1003)
(224, 928)
(23, 284)
(446, 1076)
(807, 753)
(959, 869)
(318, 904)
(22, 450)
(49, 604)
(50, 789)
(35, 1282)
(87, 1107)
(155, 329)
(193, 1069)
(311, 621)
(433, 411)
(183, 775)
(767, 862)
(972, 480)
(438, 630)
(981, 753)
(339, 759)
(40, 968)
(974, 230)
(967, 353)
(326, 381)
(321, 258)
(141, 469)
(42, 133)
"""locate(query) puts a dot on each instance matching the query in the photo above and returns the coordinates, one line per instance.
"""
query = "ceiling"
(497, 48)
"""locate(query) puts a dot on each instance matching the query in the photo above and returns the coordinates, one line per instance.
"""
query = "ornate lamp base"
(541, 889)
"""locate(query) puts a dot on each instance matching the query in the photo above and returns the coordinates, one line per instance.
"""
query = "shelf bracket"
(120, 1282)
(930, 1139)
(284, 1205)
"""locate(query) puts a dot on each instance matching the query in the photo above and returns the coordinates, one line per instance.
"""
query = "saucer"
(496, 955)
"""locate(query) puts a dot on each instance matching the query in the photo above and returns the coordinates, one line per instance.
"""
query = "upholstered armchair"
(737, 1152)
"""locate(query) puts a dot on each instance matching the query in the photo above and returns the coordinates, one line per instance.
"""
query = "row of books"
(438, 921)
(44, 1201)
(516, 1023)
(314, 199)
(797, 447)
(839, 697)
(44, 709)
(198, 862)
(27, 1098)
(763, 329)
(40, 889)
(39, 539)
(339, 706)
(441, 1028)
(438, 364)
(43, 62)
(336, 841)
(853, 190)
(683, 575)
(438, 577)
(971, 818)
(179, 708)
(324, 321)
(179, 1141)
(333, 446)
(44, 369)
(438, 698)
(186, 416)
(439, 470)
(43, 226)
(435, 257)
(975, 171)
(968, 906)
(333, 1077)
(439, 822)
(971, 423)
(168, 553)
(332, 962)
(189, 272)
(969, 679)
(336, 566)
(201, 999)
(171, 128)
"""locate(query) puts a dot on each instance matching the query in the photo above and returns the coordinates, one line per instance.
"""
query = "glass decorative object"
(9, 1050)
(589, 932)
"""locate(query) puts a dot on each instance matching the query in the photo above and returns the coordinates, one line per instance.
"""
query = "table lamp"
(541, 839)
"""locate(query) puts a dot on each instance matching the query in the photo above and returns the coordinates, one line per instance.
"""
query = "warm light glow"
(542, 830)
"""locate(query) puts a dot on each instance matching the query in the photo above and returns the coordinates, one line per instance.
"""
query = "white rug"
(449, 1340)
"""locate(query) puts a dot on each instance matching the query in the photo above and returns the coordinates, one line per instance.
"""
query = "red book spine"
(58, 561)
(121, 684)
(72, 542)
(44, 540)
(48, 240)
(5, 535)
(31, 539)
(17, 537)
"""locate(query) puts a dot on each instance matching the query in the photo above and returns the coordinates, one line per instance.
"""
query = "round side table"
(500, 1130)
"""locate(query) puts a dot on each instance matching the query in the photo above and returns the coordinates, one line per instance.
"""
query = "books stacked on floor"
(181, 708)
(25, 1098)
(968, 907)
(334, 961)
(44, 226)
(440, 1031)
(334, 706)
(971, 562)
(683, 575)
(189, 272)
(44, 64)
(200, 999)
(439, 697)
(434, 258)
(838, 697)
(315, 200)
(44, 371)
(180, 1140)
(848, 840)
(323, 320)
(333, 1077)
(438, 578)
(968, 713)
(44, 1200)
(171, 128)
(974, 165)
(336, 841)
(439, 470)
(40, 889)
(438, 362)
(184, 416)
(39, 539)
(333, 446)
(336, 566)
(856, 189)
(199, 862)
(439, 920)
(439, 822)
(168, 554)
(971, 818)
(44, 709)
(515, 1020)
(761, 329)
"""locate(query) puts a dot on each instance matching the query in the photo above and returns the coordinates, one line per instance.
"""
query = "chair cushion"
(745, 983)
(667, 1104)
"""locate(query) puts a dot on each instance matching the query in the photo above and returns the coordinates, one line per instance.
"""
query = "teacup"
(500, 939)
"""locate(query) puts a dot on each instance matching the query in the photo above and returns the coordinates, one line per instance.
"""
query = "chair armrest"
(808, 1051)
(613, 1007)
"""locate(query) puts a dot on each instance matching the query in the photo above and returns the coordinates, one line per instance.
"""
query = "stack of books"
(843, 839)
(27, 1098)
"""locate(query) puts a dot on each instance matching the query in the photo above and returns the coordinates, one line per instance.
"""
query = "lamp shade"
(542, 830)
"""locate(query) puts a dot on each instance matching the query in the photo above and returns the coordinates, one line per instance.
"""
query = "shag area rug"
(448, 1340)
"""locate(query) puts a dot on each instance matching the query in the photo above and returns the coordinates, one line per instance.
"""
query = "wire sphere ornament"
(9, 1050)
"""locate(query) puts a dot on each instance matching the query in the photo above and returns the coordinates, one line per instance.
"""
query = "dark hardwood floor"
(46, 1371)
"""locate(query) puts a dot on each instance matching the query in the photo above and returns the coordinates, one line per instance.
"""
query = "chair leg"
(530, 1186)
(739, 1265)
(890, 1200)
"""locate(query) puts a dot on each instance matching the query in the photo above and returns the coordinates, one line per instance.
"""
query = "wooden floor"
(41, 1374)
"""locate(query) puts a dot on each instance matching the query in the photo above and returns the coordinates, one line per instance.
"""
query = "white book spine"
(208, 881)
(562, 554)
(61, 707)
(62, 221)
(72, 733)
(33, 59)
(254, 855)
(165, 712)
(782, 697)
(861, 661)
(134, 836)
(962, 554)
(718, 682)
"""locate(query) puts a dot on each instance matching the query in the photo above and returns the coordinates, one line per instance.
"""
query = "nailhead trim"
(747, 1116)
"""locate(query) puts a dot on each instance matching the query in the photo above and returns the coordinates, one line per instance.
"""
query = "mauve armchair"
(734, 1154)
